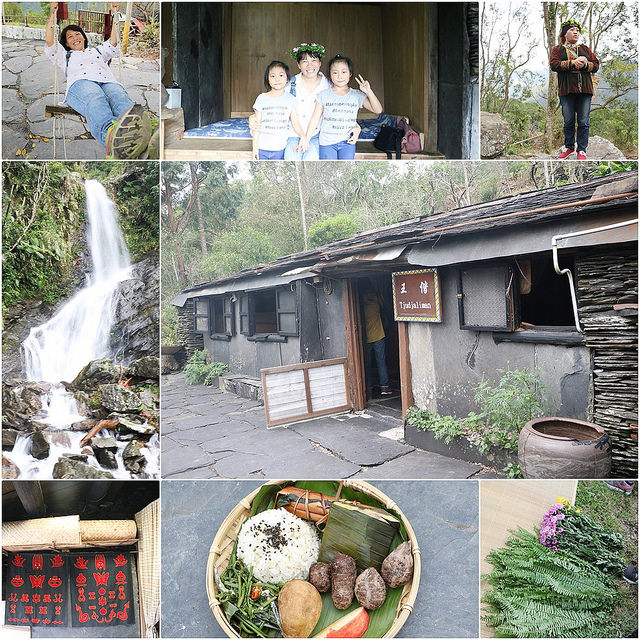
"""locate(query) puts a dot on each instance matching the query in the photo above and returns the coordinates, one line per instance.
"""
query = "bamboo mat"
(509, 504)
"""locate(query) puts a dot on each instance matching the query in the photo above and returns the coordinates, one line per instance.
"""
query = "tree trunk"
(196, 200)
(303, 212)
(550, 26)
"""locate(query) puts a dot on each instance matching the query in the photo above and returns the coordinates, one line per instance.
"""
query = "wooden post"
(355, 354)
(30, 494)
(406, 390)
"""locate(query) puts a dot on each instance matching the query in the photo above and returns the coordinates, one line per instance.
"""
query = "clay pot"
(564, 448)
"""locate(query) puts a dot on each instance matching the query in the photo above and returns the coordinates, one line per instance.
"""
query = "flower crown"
(571, 23)
(316, 49)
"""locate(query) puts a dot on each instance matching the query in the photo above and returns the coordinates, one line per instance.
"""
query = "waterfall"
(79, 331)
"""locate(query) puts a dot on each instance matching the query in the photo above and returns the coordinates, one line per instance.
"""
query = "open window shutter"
(246, 315)
(201, 322)
(286, 311)
(229, 318)
(485, 298)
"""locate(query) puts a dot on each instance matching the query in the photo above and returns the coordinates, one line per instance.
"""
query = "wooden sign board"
(306, 390)
(416, 296)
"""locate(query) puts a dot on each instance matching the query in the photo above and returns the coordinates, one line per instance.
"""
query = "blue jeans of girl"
(339, 151)
(100, 103)
(264, 154)
(576, 106)
(311, 154)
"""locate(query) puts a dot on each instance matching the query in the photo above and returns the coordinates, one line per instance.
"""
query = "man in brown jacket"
(574, 63)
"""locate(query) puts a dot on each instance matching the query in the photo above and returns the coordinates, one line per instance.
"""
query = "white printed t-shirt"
(276, 114)
(90, 64)
(306, 102)
(339, 115)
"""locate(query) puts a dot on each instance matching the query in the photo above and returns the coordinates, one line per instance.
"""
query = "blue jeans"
(379, 349)
(339, 151)
(311, 154)
(576, 105)
(100, 103)
(263, 154)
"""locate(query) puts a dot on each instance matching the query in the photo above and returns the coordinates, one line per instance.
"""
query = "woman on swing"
(119, 125)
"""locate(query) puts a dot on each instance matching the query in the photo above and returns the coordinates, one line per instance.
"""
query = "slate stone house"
(493, 300)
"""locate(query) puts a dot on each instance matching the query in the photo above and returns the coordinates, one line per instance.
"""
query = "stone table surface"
(443, 515)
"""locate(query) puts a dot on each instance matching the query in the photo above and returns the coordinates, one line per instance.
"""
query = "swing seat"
(51, 110)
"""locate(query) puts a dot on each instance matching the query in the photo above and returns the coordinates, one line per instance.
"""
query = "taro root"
(320, 576)
(397, 568)
(343, 579)
(370, 589)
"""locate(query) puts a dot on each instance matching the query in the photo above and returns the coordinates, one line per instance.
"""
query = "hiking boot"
(631, 574)
(581, 155)
(620, 485)
(129, 136)
(564, 153)
(152, 152)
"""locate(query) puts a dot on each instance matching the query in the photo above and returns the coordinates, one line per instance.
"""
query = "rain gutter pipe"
(567, 272)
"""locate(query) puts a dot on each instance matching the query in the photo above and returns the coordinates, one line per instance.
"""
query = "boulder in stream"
(39, 447)
(69, 469)
(9, 470)
(134, 461)
(9, 438)
(115, 397)
(97, 372)
(84, 425)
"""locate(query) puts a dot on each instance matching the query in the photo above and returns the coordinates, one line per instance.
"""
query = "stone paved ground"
(28, 85)
(207, 433)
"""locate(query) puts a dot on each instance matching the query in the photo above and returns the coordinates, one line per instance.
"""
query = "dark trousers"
(576, 106)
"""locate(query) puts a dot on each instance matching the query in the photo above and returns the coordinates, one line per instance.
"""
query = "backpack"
(389, 140)
(411, 141)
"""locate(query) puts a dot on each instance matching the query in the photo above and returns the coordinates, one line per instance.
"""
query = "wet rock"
(97, 372)
(147, 367)
(82, 402)
(84, 425)
(9, 470)
(105, 450)
(39, 447)
(149, 399)
(16, 420)
(130, 426)
(134, 461)
(125, 437)
(87, 451)
(59, 438)
(67, 469)
(9, 438)
(79, 457)
(104, 444)
(118, 398)
(495, 134)
(31, 397)
(23, 398)
(136, 318)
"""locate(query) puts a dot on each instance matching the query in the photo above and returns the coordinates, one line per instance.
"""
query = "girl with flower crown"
(574, 63)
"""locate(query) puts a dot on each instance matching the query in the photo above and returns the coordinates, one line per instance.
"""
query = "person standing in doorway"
(376, 338)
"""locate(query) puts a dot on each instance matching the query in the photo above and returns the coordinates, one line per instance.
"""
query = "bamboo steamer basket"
(222, 547)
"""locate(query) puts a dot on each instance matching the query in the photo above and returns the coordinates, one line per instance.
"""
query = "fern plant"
(538, 593)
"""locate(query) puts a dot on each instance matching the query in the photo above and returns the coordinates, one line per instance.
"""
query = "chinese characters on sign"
(416, 296)
(101, 589)
(36, 589)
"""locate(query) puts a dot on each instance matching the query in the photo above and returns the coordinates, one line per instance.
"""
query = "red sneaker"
(581, 155)
(564, 153)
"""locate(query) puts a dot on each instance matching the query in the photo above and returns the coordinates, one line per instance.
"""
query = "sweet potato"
(343, 579)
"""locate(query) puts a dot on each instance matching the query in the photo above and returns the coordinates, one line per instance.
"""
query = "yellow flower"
(577, 510)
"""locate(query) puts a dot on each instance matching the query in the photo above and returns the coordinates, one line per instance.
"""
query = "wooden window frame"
(211, 316)
(247, 317)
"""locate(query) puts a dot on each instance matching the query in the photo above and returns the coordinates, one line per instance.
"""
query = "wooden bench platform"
(211, 149)
(60, 110)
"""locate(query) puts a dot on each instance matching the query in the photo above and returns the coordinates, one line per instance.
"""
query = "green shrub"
(443, 427)
(200, 370)
(506, 406)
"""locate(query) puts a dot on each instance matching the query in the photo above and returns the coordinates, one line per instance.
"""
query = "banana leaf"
(380, 621)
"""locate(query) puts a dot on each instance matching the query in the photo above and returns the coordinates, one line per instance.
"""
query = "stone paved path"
(207, 433)
(28, 85)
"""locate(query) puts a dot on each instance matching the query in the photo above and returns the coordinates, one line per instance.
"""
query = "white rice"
(278, 546)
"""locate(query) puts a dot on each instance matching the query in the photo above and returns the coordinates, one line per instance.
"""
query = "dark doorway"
(378, 288)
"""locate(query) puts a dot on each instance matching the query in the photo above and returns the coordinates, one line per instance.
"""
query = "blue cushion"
(238, 128)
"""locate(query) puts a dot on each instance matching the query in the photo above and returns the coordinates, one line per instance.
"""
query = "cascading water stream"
(57, 350)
